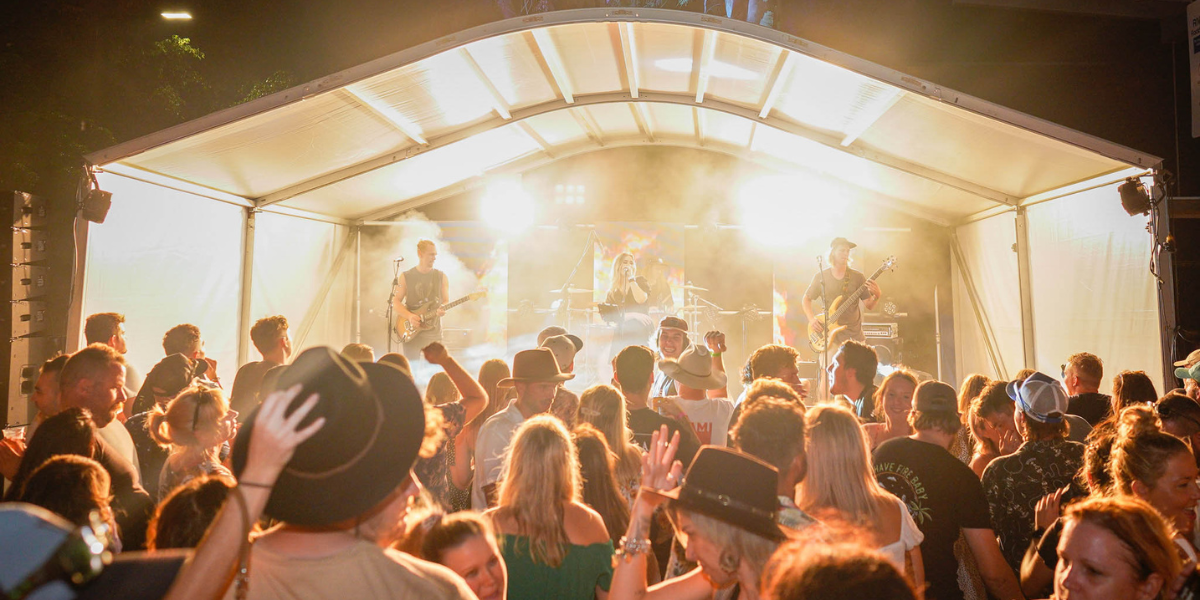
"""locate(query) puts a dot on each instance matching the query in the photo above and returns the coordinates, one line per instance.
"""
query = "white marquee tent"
(256, 209)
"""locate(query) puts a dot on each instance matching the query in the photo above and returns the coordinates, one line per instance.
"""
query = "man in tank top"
(417, 287)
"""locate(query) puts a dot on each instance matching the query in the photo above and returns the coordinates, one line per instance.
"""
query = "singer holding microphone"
(631, 293)
(414, 288)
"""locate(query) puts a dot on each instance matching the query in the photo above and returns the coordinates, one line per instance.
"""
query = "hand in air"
(1047, 509)
(715, 341)
(660, 470)
(435, 353)
(277, 434)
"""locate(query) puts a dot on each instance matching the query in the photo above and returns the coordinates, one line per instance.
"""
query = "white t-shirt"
(709, 417)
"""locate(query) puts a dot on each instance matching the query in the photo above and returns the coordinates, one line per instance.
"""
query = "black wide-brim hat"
(374, 426)
(732, 487)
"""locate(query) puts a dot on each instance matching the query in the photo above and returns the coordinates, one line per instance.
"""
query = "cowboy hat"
(732, 487)
(693, 369)
(374, 427)
(537, 365)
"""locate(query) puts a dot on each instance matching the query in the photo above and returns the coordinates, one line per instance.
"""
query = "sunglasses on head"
(1166, 413)
(78, 560)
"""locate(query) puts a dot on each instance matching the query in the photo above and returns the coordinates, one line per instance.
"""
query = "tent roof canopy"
(429, 122)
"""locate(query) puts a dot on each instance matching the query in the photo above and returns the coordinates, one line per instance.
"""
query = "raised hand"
(435, 353)
(276, 435)
(660, 470)
(1047, 509)
(715, 341)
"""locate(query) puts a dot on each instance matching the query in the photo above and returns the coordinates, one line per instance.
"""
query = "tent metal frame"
(620, 22)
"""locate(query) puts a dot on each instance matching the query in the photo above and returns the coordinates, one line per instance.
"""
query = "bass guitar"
(429, 316)
(817, 340)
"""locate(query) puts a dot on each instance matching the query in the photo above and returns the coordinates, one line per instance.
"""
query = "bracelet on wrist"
(256, 484)
(627, 548)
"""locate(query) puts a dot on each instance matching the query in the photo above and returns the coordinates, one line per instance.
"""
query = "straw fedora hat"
(693, 369)
(537, 365)
(374, 427)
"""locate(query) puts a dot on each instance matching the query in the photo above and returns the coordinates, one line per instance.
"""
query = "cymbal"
(693, 288)
(571, 291)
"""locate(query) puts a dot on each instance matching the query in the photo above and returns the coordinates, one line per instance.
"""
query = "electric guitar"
(429, 316)
(817, 340)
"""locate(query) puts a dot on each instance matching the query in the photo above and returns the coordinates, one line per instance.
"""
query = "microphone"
(398, 259)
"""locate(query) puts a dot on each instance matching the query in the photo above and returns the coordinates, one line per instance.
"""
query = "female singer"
(631, 294)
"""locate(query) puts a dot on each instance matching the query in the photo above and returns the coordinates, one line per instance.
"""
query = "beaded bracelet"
(628, 548)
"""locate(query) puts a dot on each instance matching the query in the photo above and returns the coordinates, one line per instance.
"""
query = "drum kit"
(697, 310)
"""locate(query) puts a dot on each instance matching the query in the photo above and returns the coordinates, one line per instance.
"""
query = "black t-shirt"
(626, 301)
(943, 495)
(643, 422)
(845, 286)
(420, 288)
(1091, 406)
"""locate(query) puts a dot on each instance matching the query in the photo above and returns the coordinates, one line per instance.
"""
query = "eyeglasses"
(78, 560)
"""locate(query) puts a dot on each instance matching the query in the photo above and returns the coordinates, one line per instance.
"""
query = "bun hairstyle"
(1141, 449)
(197, 409)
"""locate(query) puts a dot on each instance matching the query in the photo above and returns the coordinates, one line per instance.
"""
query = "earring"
(728, 562)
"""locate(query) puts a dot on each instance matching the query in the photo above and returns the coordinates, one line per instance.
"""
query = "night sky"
(1110, 77)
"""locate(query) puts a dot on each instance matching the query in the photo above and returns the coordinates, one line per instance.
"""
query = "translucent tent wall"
(257, 209)
(1090, 285)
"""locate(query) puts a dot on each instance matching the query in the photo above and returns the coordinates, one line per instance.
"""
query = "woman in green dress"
(554, 545)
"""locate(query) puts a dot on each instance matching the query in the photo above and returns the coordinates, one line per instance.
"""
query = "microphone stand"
(390, 314)
(825, 327)
(587, 247)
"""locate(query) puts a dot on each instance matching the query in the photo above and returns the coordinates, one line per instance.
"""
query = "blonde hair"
(440, 390)
(840, 476)
(603, 407)
(971, 388)
(900, 373)
(540, 474)
(424, 246)
(197, 409)
(1141, 530)
(490, 373)
(1141, 449)
(736, 544)
(613, 284)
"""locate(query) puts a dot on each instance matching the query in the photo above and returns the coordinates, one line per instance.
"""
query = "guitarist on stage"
(840, 280)
(418, 286)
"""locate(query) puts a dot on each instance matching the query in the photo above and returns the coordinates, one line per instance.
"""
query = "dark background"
(79, 75)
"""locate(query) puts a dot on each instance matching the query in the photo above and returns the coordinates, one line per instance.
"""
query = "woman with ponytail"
(193, 426)
(1156, 467)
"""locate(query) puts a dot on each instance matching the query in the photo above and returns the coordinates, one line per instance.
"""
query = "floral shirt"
(434, 472)
(1013, 485)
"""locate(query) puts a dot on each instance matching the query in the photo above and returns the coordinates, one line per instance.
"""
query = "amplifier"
(886, 331)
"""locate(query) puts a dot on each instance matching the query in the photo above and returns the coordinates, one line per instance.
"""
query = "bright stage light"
(507, 207)
(177, 15)
(785, 211)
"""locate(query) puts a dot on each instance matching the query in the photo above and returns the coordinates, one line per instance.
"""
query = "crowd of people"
(328, 473)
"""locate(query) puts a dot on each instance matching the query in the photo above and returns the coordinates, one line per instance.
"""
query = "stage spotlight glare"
(1134, 197)
(786, 211)
(177, 15)
(507, 207)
